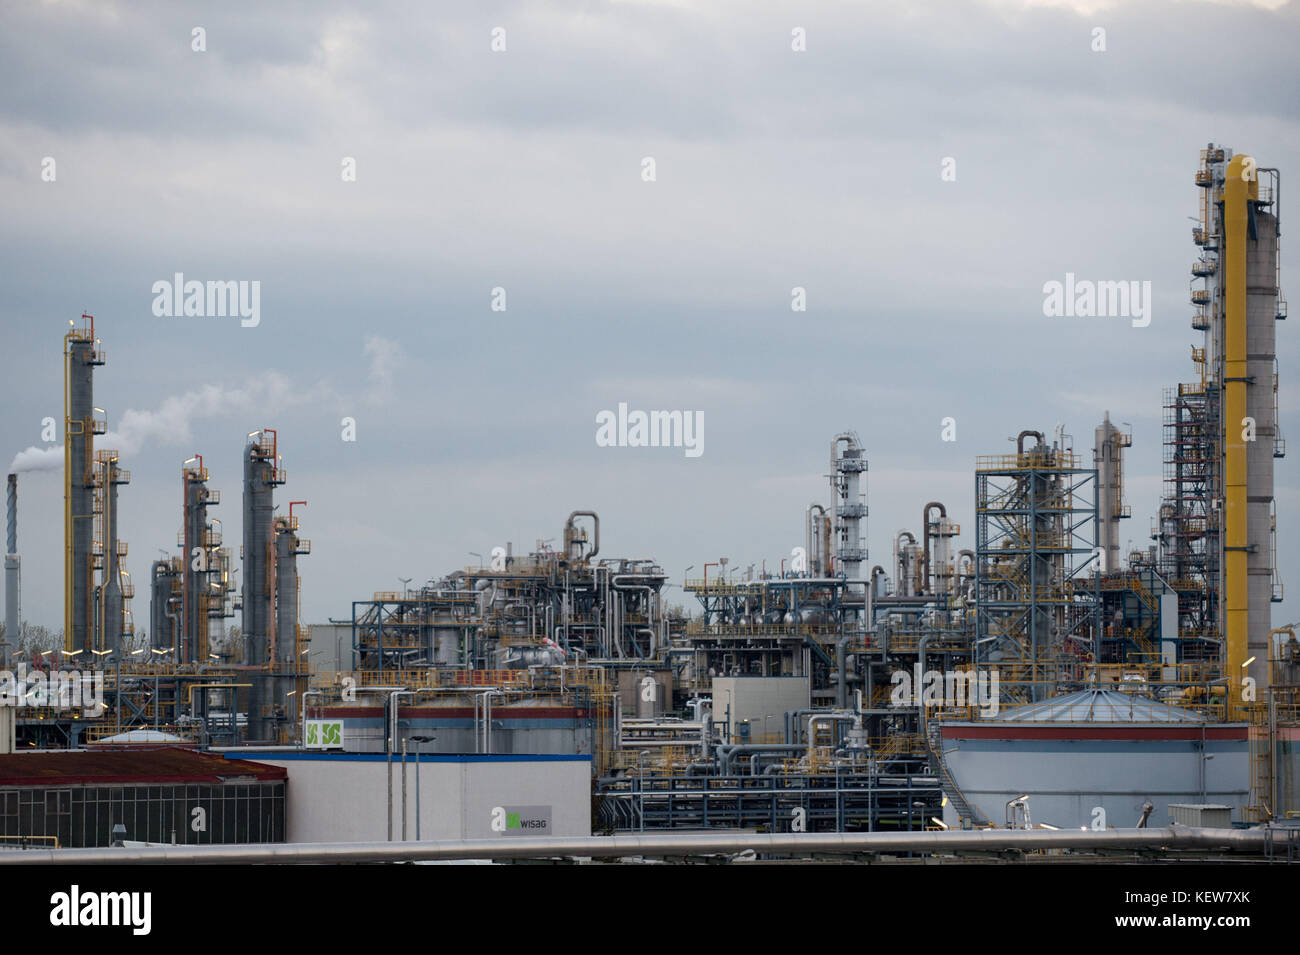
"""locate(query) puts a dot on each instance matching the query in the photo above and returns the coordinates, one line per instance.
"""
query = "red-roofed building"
(157, 794)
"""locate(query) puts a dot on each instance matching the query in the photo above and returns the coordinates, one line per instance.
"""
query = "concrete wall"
(763, 700)
(344, 797)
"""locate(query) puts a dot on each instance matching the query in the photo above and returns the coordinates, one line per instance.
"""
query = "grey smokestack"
(11, 514)
(11, 574)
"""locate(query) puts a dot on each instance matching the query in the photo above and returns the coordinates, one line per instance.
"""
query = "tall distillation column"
(197, 545)
(847, 466)
(287, 548)
(115, 592)
(1249, 295)
(262, 475)
(80, 427)
(1108, 457)
(938, 574)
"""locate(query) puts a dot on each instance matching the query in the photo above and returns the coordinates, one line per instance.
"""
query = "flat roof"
(326, 755)
(139, 765)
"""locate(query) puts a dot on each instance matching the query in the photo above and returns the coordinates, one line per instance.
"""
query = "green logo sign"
(324, 734)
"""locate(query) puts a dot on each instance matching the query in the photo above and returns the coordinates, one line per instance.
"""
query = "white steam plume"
(37, 459)
(170, 422)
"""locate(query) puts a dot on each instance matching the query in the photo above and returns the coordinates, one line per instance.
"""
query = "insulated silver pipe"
(827, 718)
(673, 844)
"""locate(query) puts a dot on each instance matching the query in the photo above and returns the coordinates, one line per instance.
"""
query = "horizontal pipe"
(675, 844)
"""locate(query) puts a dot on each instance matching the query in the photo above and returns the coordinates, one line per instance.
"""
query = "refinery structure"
(1020, 672)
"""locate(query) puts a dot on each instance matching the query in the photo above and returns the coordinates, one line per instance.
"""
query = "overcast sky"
(523, 169)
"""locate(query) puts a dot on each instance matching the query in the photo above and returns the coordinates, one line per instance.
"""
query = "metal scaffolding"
(1037, 602)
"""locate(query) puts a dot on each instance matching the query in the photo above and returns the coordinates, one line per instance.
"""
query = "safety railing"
(447, 678)
(98, 732)
(29, 842)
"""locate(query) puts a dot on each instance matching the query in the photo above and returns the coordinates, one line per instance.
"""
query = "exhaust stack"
(10, 642)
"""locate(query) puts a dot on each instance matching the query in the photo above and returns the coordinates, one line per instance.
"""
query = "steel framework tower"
(1037, 601)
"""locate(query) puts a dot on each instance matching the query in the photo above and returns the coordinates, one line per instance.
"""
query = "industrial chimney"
(10, 642)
